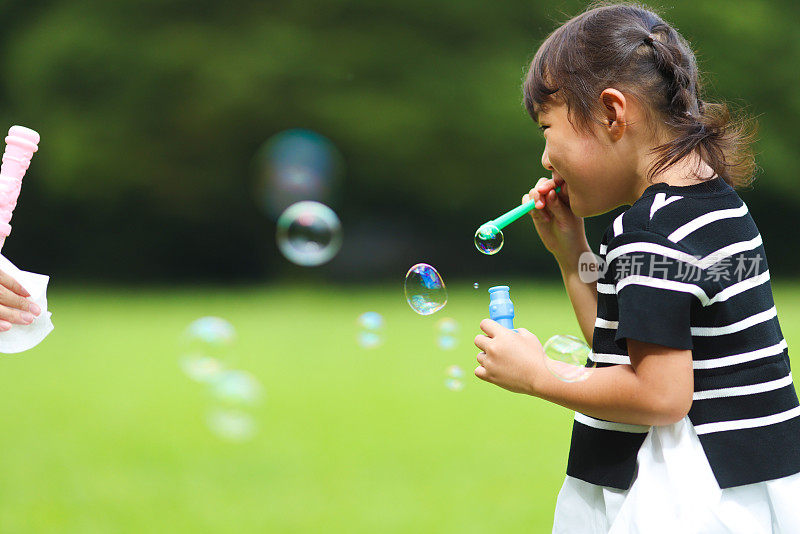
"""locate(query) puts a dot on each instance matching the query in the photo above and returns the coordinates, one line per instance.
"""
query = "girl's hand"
(561, 231)
(14, 306)
(511, 360)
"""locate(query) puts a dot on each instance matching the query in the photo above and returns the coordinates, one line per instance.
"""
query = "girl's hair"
(627, 46)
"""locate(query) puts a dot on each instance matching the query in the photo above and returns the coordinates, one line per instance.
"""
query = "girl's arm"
(584, 299)
(563, 234)
(656, 389)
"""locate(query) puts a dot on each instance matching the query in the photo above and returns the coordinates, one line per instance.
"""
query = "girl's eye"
(543, 127)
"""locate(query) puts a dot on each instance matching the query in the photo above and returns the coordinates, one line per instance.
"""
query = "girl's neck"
(688, 171)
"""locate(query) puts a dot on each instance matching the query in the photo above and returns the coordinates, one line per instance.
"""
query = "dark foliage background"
(151, 111)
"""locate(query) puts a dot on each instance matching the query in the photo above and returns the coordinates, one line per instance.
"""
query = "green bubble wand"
(489, 236)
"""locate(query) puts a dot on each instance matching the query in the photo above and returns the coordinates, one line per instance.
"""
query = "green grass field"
(102, 432)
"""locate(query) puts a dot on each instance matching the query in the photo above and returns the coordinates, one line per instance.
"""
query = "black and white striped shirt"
(686, 268)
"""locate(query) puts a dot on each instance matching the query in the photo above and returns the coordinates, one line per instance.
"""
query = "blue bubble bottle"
(501, 309)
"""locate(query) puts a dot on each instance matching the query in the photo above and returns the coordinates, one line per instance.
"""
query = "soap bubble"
(370, 334)
(207, 343)
(447, 325)
(447, 342)
(370, 321)
(476, 285)
(309, 233)
(453, 385)
(445, 329)
(200, 368)
(369, 340)
(232, 425)
(568, 358)
(236, 387)
(489, 239)
(296, 165)
(211, 331)
(425, 289)
(454, 371)
(454, 375)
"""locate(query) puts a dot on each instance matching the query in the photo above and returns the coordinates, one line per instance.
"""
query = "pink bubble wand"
(21, 143)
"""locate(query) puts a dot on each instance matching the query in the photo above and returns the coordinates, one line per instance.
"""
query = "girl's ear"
(615, 109)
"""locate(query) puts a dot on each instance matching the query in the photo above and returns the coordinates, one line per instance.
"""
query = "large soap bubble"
(425, 289)
(296, 165)
(568, 358)
(309, 233)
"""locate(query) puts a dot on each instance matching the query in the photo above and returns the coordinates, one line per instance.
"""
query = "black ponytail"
(704, 128)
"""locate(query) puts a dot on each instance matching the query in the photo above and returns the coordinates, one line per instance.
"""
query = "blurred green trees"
(150, 113)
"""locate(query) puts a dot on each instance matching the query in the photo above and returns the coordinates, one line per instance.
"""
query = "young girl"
(690, 422)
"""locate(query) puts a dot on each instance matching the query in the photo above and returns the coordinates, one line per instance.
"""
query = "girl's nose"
(546, 160)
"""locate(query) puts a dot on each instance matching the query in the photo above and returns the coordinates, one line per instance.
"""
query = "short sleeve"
(656, 284)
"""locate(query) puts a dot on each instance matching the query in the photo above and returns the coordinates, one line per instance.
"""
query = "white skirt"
(675, 492)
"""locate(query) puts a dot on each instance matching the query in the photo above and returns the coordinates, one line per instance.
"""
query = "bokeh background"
(144, 206)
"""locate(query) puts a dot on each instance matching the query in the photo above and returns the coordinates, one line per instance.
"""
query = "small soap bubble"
(369, 340)
(207, 344)
(453, 381)
(447, 342)
(489, 239)
(370, 321)
(295, 165)
(211, 330)
(568, 358)
(236, 387)
(453, 384)
(370, 333)
(231, 425)
(454, 371)
(445, 332)
(425, 290)
(476, 285)
(309, 233)
(200, 368)
(447, 325)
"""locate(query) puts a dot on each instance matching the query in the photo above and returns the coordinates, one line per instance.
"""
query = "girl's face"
(600, 173)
